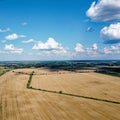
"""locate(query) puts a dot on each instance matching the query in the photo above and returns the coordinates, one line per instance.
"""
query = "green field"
(3, 70)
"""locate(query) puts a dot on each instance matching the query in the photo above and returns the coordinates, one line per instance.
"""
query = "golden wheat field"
(17, 102)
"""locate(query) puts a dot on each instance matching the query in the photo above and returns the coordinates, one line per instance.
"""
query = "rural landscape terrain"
(59, 59)
(69, 90)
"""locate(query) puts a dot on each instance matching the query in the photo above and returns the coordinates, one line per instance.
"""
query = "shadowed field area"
(17, 102)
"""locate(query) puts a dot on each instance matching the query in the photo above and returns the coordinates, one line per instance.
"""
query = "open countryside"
(59, 59)
(39, 102)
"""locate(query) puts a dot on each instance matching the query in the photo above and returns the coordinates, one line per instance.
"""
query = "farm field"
(20, 103)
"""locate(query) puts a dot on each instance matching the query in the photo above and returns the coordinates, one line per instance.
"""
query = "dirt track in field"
(19, 103)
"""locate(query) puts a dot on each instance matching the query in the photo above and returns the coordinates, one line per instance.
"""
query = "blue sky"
(59, 29)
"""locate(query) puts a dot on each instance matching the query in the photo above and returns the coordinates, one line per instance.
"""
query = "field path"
(19, 103)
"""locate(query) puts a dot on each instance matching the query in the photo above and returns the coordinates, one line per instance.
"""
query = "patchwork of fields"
(20, 103)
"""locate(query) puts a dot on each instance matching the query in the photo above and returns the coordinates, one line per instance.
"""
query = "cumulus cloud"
(13, 49)
(4, 30)
(104, 10)
(28, 41)
(14, 36)
(60, 51)
(113, 49)
(79, 48)
(93, 50)
(95, 47)
(111, 34)
(50, 45)
(90, 52)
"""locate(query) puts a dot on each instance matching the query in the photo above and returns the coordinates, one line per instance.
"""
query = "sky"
(59, 30)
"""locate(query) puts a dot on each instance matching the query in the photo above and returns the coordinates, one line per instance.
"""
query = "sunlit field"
(89, 90)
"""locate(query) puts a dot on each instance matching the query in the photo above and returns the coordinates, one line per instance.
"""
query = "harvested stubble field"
(20, 103)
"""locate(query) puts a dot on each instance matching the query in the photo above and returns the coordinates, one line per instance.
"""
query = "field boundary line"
(68, 94)
(30, 80)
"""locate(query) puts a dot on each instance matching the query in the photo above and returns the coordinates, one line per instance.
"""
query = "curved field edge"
(3, 71)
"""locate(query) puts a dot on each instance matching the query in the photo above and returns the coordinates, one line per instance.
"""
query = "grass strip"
(3, 71)
(68, 94)
(74, 95)
(29, 80)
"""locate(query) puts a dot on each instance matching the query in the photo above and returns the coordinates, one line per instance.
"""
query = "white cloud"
(28, 41)
(14, 36)
(95, 47)
(60, 51)
(104, 10)
(92, 51)
(111, 34)
(89, 51)
(13, 49)
(107, 50)
(113, 49)
(4, 30)
(24, 23)
(51, 44)
(79, 48)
